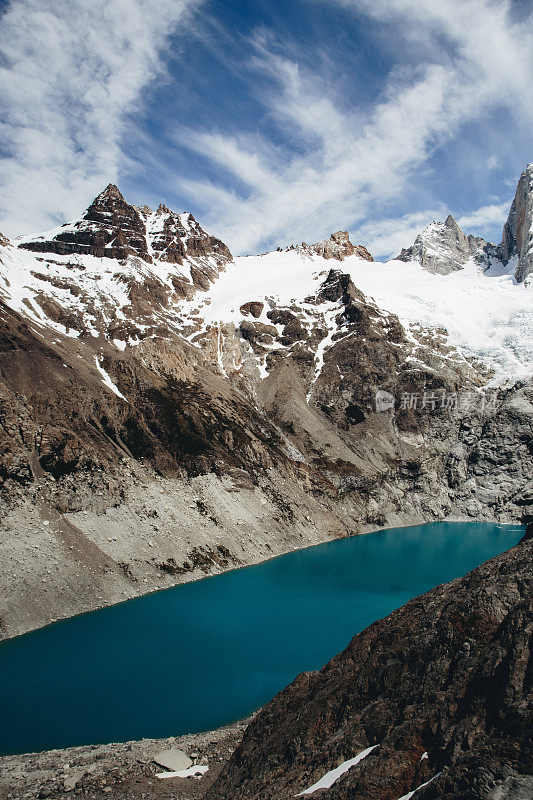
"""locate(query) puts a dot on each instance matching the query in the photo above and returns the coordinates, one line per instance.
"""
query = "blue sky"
(274, 122)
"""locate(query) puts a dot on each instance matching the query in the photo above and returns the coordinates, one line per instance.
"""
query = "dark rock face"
(4, 241)
(113, 228)
(254, 307)
(517, 237)
(59, 422)
(442, 687)
(109, 228)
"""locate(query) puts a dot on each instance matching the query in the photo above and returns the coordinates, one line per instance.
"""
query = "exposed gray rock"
(173, 760)
(518, 230)
(442, 247)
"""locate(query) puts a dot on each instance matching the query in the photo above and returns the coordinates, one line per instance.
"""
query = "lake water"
(207, 653)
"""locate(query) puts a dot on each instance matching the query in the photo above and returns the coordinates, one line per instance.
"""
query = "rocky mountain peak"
(338, 246)
(112, 228)
(111, 190)
(442, 247)
(452, 224)
(517, 239)
(4, 241)
(338, 286)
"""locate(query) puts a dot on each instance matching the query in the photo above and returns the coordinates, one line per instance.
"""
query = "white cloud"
(485, 217)
(386, 237)
(474, 59)
(70, 72)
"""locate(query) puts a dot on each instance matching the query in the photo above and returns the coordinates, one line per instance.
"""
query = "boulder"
(173, 760)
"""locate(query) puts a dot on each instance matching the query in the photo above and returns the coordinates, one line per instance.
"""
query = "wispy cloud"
(386, 237)
(70, 73)
(469, 59)
(494, 214)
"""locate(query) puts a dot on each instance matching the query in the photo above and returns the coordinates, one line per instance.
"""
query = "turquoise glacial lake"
(207, 653)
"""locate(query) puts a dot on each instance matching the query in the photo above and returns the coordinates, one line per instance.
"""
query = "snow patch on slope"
(486, 314)
(106, 378)
(329, 778)
(410, 794)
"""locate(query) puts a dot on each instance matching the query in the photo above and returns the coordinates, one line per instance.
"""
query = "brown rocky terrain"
(125, 771)
(141, 446)
(442, 688)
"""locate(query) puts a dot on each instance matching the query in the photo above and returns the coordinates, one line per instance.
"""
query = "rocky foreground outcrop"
(442, 689)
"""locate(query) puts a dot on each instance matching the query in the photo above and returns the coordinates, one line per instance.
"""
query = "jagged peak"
(338, 246)
(4, 241)
(163, 209)
(450, 222)
(517, 238)
(111, 190)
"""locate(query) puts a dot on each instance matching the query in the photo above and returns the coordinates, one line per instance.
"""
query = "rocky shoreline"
(248, 753)
(123, 771)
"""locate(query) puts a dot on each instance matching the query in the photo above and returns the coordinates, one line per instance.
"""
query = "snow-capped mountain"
(170, 410)
(442, 247)
(119, 270)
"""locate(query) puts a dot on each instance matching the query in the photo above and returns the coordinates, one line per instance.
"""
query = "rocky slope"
(167, 412)
(441, 690)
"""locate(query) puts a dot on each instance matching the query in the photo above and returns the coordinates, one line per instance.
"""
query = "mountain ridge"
(171, 412)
